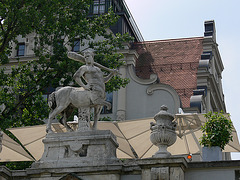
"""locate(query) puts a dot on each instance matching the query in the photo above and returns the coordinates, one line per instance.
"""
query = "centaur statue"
(91, 95)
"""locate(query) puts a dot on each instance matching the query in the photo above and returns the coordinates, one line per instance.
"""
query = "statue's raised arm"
(78, 57)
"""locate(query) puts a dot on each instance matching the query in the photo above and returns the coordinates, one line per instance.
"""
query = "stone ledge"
(84, 170)
(18, 174)
(5, 172)
(153, 161)
(214, 164)
(81, 135)
(138, 164)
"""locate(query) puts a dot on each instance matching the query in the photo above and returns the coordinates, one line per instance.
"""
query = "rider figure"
(93, 76)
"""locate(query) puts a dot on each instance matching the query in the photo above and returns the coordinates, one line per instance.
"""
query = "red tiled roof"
(175, 62)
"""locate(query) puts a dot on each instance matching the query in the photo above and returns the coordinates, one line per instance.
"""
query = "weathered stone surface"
(132, 169)
(163, 132)
(176, 173)
(83, 119)
(76, 149)
(167, 173)
(213, 153)
(146, 174)
(91, 94)
(160, 173)
(5, 173)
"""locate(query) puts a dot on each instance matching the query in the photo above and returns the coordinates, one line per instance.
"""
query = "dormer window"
(98, 6)
(21, 49)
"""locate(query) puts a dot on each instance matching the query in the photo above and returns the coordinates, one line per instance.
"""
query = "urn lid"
(163, 114)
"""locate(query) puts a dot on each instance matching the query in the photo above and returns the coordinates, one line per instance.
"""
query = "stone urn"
(163, 132)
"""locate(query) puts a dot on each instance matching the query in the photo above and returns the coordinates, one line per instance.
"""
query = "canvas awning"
(133, 137)
(137, 133)
(31, 137)
(12, 151)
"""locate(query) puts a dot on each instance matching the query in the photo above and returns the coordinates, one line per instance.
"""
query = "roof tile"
(175, 61)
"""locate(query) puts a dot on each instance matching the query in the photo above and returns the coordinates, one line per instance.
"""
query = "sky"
(172, 19)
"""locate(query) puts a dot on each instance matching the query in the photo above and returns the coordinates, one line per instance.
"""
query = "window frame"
(21, 51)
(98, 4)
(77, 44)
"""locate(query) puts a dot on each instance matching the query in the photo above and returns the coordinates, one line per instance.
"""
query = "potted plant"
(217, 132)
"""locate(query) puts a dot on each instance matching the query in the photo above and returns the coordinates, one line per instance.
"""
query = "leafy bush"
(217, 131)
(17, 165)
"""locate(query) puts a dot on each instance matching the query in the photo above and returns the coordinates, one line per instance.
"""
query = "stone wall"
(145, 169)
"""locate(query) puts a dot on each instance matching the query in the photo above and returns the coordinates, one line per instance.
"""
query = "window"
(76, 45)
(20, 49)
(98, 6)
(109, 98)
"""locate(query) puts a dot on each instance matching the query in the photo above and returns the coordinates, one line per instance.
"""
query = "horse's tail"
(52, 101)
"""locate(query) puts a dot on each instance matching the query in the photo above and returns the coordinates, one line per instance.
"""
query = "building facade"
(183, 74)
(180, 73)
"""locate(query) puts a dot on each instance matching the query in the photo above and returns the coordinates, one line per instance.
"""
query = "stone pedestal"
(83, 119)
(163, 168)
(78, 149)
(167, 173)
(211, 153)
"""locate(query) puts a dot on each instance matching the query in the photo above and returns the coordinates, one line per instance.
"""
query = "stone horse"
(66, 99)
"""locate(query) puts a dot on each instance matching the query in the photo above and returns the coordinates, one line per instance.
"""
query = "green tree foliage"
(19, 165)
(56, 24)
(217, 131)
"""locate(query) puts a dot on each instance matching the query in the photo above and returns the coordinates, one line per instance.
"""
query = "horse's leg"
(49, 129)
(65, 116)
(97, 110)
(56, 111)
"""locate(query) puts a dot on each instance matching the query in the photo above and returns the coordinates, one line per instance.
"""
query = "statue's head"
(89, 56)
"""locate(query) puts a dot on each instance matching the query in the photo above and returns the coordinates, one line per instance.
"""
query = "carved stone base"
(167, 173)
(83, 119)
(162, 152)
(83, 126)
(76, 149)
(160, 173)
(121, 115)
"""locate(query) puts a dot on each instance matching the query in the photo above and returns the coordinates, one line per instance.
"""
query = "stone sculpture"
(163, 132)
(89, 95)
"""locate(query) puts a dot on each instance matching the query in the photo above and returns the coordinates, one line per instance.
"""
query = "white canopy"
(133, 137)
(12, 151)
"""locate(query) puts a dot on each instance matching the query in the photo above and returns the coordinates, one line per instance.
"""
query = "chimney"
(210, 29)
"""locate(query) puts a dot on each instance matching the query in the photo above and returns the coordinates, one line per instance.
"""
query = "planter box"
(212, 153)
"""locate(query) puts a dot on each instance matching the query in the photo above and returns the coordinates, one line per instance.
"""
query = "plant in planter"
(217, 132)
